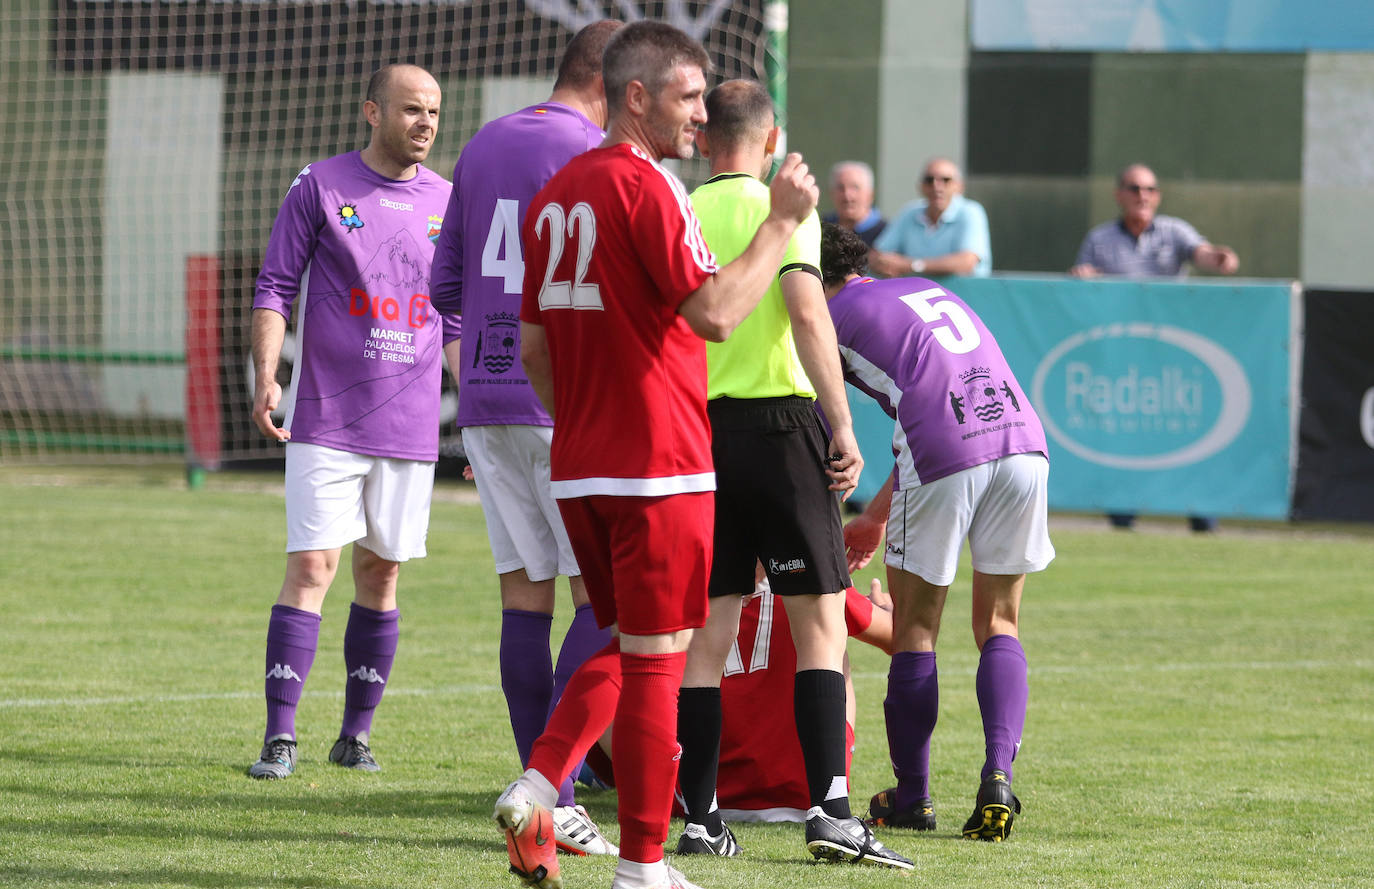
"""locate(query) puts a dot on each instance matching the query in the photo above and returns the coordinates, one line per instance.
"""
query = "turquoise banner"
(1157, 397)
(1172, 25)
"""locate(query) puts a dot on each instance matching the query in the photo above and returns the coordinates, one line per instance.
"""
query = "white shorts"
(511, 467)
(1001, 507)
(336, 497)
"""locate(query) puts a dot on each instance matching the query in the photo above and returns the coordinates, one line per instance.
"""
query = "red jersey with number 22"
(612, 248)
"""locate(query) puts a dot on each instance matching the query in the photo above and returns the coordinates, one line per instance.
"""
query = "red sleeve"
(858, 611)
(668, 237)
(536, 257)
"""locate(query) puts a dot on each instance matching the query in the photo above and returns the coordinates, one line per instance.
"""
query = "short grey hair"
(862, 167)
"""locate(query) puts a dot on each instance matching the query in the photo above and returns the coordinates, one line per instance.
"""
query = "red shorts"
(645, 560)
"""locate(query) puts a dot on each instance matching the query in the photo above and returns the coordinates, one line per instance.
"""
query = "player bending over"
(971, 462)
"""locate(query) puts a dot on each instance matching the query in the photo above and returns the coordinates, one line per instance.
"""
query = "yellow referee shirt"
(759, 360)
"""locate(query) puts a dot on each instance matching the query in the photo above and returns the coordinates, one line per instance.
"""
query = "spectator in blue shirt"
(944, 233)
(1142, 244)
(851, 191)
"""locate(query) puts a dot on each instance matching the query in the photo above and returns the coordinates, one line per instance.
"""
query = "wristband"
(918, 266)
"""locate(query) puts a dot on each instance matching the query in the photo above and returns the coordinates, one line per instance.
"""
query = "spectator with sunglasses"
(943, 233)
(1143, 244)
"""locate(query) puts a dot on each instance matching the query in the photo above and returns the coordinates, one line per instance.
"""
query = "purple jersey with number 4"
(479, 265)
(932, 364)
(369, 345)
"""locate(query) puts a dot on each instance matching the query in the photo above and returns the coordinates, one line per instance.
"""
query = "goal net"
(145, 146)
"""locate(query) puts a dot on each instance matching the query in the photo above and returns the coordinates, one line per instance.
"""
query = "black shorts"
(773, 502)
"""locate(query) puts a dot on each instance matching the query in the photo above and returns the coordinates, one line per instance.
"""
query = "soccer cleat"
(277, 760)
(696, 841)
(848, 839)
(676, 880)
(672, 879)
(353, 753)
(530, 840)
(994, 811)
(883, 812)
(577, 834)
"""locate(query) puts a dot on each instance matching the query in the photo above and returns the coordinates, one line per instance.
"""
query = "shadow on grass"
(278, 811)
(70, 876)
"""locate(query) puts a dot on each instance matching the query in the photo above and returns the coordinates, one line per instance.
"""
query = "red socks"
(644, 745)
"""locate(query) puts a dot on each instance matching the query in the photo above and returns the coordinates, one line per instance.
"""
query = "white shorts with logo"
(1001, 507)
(511, 466)
(336, 497)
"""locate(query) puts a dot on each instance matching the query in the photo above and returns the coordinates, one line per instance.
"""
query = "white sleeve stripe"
(694, 240)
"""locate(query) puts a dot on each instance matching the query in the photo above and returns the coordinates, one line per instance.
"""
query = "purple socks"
(1003, 692)
(912, 708)
(583, 639)
(292, 637)
(369, 650)
(526, 674)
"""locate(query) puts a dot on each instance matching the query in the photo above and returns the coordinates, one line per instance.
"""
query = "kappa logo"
(280, 671)
(367, 674)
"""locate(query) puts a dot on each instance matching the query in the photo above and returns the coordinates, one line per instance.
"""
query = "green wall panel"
(1199, 116)
(1028, 113)
(833, 75)
(1036, 222)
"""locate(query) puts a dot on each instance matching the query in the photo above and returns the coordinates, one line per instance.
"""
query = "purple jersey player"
(478, 272)
(355, 234)
(971, 462)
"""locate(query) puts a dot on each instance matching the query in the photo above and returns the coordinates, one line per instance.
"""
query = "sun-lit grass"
(1201, 711)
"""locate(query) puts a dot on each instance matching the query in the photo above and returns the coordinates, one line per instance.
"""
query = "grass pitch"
(1202, 710)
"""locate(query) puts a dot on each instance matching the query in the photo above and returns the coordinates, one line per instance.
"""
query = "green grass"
(1202, 710)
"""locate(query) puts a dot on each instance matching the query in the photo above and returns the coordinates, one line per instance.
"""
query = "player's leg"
(369, 649)
(912, 705)
(524, 812)
(582, 639)
(819, 700)
(700, 722)
(526, 665)
(1008, 538)
(734, 554)
(574, 829)
(501, 466)
(396, 499)
(926, 529)
(324, 511)
(661, 581)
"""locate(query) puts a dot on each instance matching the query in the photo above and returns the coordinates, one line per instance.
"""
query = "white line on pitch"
(1108, 670)
(447, 691)
(450, 690)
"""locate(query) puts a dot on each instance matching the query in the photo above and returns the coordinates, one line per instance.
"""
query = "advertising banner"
(1336, 437)
(1172, 25)
(1157, 397)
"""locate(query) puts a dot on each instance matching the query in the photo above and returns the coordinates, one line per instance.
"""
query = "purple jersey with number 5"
(368, 344)
(932, 364)
(479, 264)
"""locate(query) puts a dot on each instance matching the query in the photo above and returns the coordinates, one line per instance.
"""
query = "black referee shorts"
(773, 502)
